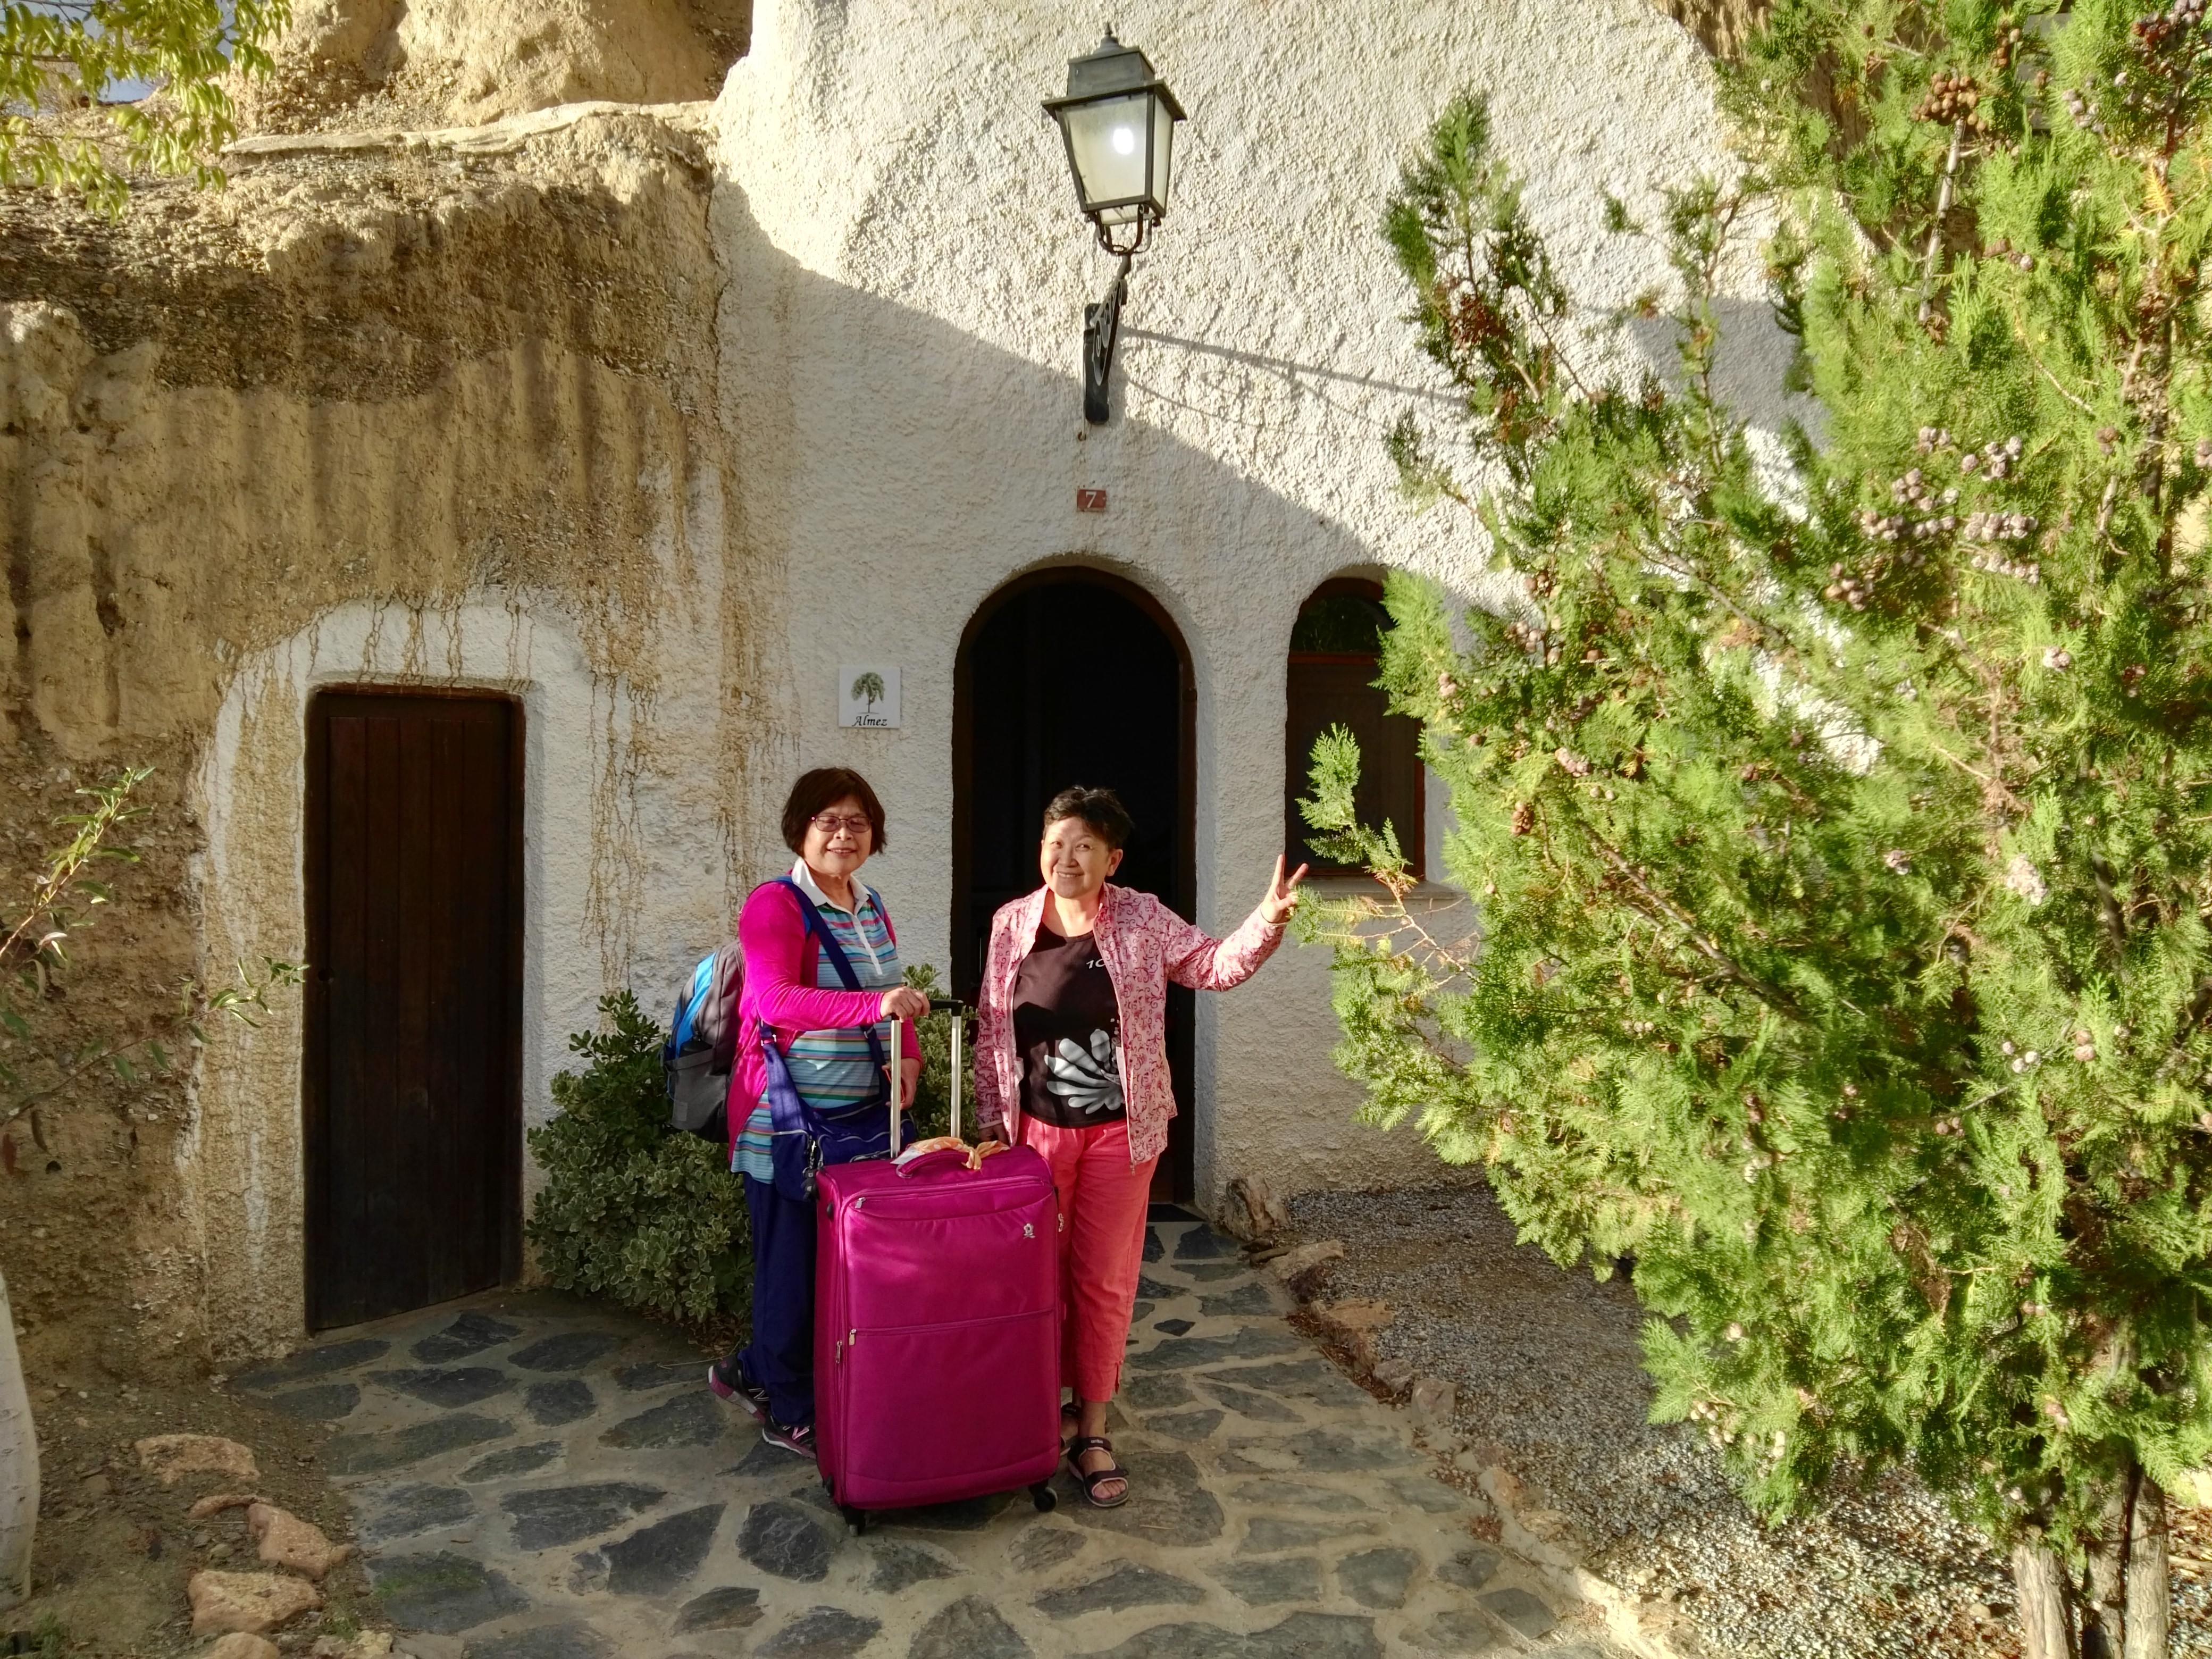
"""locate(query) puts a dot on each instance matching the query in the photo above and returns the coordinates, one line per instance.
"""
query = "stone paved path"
(545, 1479)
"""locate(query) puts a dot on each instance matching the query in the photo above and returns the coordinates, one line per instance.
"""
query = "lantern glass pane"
(1106, 141)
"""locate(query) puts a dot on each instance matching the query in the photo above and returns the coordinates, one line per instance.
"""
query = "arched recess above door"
(1336, 656)
(1072, 674)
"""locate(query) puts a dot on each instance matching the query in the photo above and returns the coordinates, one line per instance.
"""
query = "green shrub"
(630, 1209)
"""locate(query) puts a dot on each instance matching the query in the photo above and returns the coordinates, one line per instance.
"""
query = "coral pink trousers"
(1104, 1200)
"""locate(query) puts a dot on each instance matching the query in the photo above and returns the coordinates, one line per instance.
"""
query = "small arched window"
(1336, 656)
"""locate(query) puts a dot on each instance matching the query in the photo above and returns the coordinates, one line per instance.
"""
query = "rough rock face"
(441, 63)
(255, 1602)
(173, 1457)
(1722, 24)
(286, 1540)
(380, 373)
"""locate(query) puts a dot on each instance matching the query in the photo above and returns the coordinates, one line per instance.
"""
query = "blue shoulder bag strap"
(839, 963)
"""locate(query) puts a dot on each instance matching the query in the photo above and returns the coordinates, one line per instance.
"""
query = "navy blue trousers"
(780, 1356)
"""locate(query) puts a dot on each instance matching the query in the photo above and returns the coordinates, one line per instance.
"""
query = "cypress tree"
(1839, 811)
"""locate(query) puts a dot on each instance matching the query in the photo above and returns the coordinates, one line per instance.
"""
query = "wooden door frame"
(314, 1105)
(1185, 897)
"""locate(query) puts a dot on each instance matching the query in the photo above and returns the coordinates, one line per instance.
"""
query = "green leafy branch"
(64, 56)
(64, 899)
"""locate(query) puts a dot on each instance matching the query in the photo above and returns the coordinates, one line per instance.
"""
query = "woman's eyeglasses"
(829, 824)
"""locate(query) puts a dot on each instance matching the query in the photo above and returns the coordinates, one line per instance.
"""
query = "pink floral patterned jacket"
(1144, 945)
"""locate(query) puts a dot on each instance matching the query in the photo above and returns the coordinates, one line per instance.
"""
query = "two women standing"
(1071, 1060)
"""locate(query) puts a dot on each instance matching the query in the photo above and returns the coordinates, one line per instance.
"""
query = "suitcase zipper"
(853, 1337)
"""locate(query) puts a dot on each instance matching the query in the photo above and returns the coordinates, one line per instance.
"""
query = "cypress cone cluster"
(1842, 829)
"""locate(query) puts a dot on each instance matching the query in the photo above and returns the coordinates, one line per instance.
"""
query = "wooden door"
(1075, 677)
(412, 1084)
(1336, 659)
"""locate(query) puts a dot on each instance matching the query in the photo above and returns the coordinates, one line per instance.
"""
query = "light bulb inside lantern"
(1125, 141)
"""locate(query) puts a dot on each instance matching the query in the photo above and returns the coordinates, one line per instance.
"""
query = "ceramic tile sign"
(868, 695)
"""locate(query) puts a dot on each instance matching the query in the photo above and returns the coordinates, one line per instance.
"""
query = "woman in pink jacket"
(822, 983)
(1072, 1059)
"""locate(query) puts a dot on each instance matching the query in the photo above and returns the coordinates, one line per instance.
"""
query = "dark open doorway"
(1072, 675)
(412, 1084)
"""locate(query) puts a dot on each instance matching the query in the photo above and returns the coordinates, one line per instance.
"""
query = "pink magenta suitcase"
(936, 1325)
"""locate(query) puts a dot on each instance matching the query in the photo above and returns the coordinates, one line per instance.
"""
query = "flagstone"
(569, 1350)
(372, 1454)
(971, 1628)
(1043, 1547)
(732, 1607)
(562, 1641)
(1378, 1578)
(660, 1374)
(899, 1567)
(551, 1404)
(552, 1516)
(463, 1386)
(781, 1538)
(441, 1591)
(324, 1403)
(688, 1419)
(1518, 1608)
(1123, 1584)
(1270, 1584)
(315, 1362)
(821, 1633)
(472, 1333)
(417, 1508)
(655, 1560)
(516, 1460)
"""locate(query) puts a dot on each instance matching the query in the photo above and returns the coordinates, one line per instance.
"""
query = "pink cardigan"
(1144, 945)
(781, 960)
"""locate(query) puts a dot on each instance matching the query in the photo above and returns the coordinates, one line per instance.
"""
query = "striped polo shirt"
(832, 1070)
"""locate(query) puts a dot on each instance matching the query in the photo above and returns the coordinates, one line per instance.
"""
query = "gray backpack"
(702, 1047)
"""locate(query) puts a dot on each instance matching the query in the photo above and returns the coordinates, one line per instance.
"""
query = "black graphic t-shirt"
(1067, 1028)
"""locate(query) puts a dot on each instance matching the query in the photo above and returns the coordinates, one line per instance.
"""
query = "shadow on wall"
(912, 451)
(922, 468)
(1748, 369)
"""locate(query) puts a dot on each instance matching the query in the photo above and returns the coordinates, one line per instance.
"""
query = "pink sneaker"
(799, 1440)
(738, 1392)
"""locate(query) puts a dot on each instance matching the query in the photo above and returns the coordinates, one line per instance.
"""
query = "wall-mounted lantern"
(1118, 119)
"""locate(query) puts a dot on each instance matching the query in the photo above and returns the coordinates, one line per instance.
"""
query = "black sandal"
(1089, 1479)
(1071, 1419)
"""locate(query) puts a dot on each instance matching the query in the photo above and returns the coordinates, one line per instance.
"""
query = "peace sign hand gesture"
(1282, 898)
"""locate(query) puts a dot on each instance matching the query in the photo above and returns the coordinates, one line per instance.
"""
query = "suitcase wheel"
(1044, 1497)
(856, 1520)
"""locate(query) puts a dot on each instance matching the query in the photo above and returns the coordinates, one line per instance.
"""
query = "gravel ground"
(1551, 1384)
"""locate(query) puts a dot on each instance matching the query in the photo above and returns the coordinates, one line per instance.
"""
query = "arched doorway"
(1074, 676)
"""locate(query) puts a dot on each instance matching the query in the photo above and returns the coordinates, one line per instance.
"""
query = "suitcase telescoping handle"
(958, 1010)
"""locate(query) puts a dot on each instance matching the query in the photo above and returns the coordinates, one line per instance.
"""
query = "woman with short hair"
(1072, 1059)
(822, 981)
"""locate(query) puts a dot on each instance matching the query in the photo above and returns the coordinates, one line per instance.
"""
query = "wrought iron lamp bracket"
(1102, 328)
